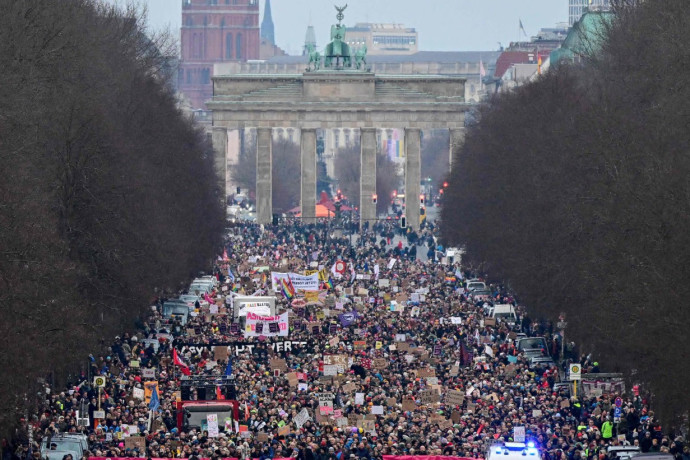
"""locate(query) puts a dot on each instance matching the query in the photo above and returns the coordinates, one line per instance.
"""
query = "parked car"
(475, 285)
(481, 295)
(530, 353)
(200, 288)
(627, 452)
(176, 309)
(57, 446)
(531, 343)
(503, 312)
(541, 362)
(191, 299)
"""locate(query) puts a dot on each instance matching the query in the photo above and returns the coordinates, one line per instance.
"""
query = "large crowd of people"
(414, 367)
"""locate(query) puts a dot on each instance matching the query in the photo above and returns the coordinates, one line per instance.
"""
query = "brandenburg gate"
(336, 97)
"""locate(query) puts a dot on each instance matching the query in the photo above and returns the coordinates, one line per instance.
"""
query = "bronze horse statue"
(337, 48)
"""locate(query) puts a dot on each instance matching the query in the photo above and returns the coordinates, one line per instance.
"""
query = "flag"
(246, 411)
(329, 283)
(228, 368)
(482, 71)
(231, 276)
(539, 63)
(225, 254)
(155, 402)
(287, 288)
(522, 28)
(184, 367)
(219, 394)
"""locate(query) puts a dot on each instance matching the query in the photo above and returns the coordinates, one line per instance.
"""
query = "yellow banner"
(311, 296)
(148, 391)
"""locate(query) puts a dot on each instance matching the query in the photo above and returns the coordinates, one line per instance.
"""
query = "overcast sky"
(443, 25)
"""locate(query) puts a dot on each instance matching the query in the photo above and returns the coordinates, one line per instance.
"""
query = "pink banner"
(424, 457)
(163, 458)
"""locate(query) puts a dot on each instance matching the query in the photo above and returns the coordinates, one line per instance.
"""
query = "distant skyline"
(443, 25)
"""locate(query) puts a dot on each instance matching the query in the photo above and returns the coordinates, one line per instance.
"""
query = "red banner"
(162, 458)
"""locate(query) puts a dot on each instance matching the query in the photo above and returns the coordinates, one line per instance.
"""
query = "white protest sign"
(301, 418)
(212, 420)
(519, 433)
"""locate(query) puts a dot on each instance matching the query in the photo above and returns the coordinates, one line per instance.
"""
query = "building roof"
(585, 37)
(487, 57)
(508, 58)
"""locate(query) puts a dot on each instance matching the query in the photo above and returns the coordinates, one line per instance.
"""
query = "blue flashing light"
(530, 444)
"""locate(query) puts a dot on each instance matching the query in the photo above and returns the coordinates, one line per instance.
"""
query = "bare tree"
(112, 192)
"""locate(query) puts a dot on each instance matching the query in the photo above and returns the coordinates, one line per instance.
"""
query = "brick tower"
(214, 31)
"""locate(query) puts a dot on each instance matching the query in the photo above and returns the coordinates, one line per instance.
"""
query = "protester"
(419, 368)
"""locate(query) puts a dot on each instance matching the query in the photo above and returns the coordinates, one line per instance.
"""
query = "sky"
(442, 25)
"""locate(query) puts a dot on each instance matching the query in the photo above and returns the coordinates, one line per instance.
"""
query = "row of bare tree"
(575, 191)
(108, 192)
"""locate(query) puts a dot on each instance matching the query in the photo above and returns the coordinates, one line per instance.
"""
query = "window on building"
(196, 48)
(189, 77)
(238, 46)
(336, 137)
(190, 22)
(228, 46)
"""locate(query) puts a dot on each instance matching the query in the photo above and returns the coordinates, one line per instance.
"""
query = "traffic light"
(421, 199)
(374, 198)
(239, 190)
(445, 184)
(403, 222)
(422, 211)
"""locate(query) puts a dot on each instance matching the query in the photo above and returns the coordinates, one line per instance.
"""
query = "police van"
(513, 451)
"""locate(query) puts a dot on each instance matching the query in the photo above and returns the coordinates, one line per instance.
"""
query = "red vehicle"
(192, 414)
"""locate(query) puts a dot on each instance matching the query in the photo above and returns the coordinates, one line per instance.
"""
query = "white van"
(503, 312)
(476, 285)
(513, 451)
(200, 288)
(209, 278)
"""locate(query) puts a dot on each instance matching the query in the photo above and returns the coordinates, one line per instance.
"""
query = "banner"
(299, 282)
(268, 326)
(304, 282)
(276, 344)
(346, 319)
(164, 458)
(423, 457)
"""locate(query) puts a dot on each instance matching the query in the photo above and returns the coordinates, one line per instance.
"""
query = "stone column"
(413, 173)
(264, 176)
(219, 138)
(308, 193)
(367, 181)
(457, 138)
